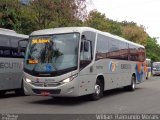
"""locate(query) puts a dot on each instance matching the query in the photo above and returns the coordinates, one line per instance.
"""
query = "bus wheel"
(98, 90)
(133, 84)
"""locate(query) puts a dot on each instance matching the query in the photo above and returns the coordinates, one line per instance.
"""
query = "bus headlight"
(28, 80)
(67, 80)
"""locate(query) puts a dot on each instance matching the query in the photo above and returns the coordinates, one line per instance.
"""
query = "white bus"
(11, 68)
(76, 61)
(155, 68)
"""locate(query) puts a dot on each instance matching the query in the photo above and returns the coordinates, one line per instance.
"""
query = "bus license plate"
(45, 93)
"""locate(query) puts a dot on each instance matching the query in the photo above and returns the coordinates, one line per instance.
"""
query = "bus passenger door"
(85, 60)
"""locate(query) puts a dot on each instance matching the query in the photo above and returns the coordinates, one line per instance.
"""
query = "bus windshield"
(156, 65)
(50, 53)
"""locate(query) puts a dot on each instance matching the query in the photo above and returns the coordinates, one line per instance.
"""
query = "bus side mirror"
(21, 45)
(86, 46)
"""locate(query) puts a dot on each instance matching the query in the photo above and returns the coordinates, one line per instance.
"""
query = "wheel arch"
(101, 79)
(135, 77)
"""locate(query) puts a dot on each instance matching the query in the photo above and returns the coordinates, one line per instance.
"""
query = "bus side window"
(86, 53)
(1, 52)
(22, 44)
(6, 53)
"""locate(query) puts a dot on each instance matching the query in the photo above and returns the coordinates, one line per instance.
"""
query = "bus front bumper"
(69, 89)
(156, 72)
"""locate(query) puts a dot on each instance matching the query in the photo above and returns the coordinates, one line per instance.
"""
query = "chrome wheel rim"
(133, 84)
(97, 89)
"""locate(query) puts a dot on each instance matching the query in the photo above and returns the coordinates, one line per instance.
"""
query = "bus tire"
(133, 84)
(98, 90)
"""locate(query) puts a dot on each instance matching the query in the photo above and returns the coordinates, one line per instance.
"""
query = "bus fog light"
(28, 80)
(70, 90)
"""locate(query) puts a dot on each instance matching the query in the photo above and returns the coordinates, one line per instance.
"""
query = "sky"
(142, 12)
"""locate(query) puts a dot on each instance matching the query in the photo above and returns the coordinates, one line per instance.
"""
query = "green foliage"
(96, 20)
(56, 13)
(135, 34)
(10, 16)
(114, 27)
(152, 49)
(100, 22)
(41, 14)
(128, 30)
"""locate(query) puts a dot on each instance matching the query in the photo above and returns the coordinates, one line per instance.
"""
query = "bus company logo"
(112, 66)
(45, 84)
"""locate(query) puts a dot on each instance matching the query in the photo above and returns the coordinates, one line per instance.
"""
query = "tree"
(99, 21)
(96, 20)
(135, 33)
(41, 14)
(152, 49)
(10, 15)
(114, 27)
(28, 24)
(57, 13)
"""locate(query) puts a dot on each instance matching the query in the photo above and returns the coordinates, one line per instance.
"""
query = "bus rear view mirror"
(86, 46)
(21, 44)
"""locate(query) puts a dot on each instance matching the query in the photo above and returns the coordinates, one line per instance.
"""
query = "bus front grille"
(46, 84)
(56, 91)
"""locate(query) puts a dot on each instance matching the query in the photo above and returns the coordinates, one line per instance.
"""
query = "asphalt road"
(145, 99)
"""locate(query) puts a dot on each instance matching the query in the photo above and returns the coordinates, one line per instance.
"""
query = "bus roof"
(156, 62)
(80, 30)
(148, 59)
(8, 32)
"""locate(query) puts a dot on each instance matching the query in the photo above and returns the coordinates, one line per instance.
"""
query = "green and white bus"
(11, 68)
(77, 61)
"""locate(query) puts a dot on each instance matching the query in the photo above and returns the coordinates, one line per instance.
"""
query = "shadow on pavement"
(9, 95)
(78, 100)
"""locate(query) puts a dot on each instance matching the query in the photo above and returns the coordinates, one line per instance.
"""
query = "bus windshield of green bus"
(50, 53)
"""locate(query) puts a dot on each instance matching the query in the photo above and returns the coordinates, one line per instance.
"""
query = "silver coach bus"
(11, 67)
(155, 68)
(76, 61)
